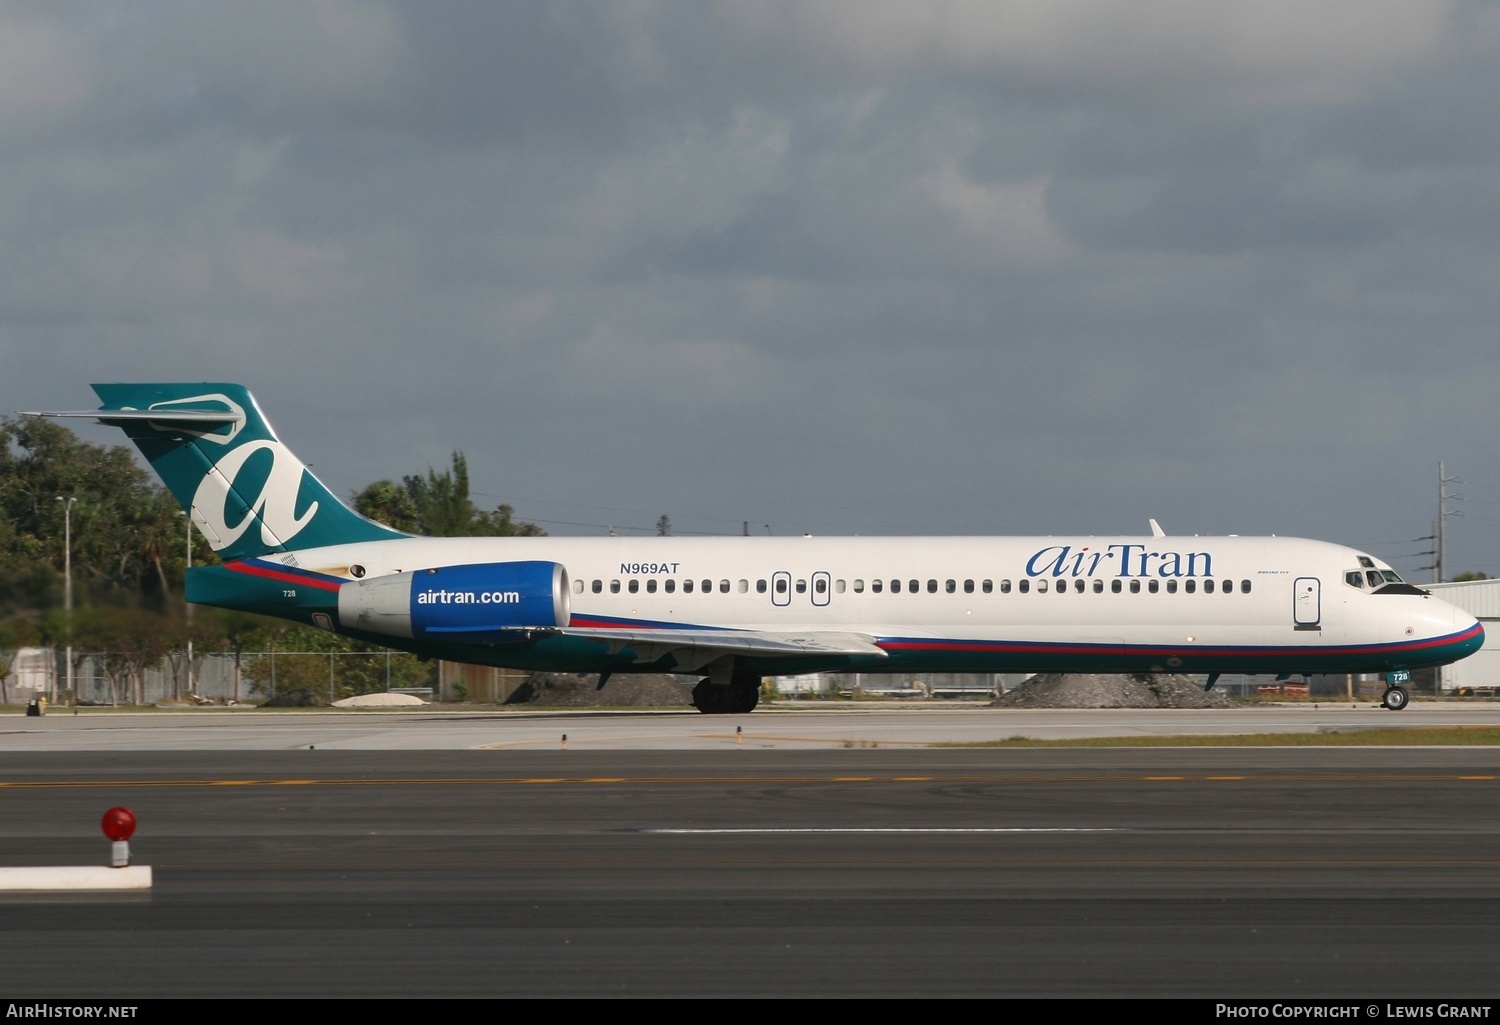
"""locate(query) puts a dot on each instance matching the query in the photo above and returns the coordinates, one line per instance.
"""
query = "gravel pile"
(570, 690)
(379, 701)
(1100, 690)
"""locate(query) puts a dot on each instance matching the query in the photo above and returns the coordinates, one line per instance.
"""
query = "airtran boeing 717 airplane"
(732, 610)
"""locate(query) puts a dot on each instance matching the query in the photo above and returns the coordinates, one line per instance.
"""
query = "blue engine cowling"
(478, 603)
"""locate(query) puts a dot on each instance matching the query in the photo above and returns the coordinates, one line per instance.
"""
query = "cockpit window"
(1391, 576)
(1375, 579)
(1367, 562)
(1354, 578)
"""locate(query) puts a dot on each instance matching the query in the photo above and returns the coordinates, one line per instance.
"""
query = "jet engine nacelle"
(474, 603)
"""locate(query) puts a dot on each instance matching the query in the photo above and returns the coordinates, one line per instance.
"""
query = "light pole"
(188, 606)
(67, 502)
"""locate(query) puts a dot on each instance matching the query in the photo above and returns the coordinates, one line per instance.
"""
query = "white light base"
(75, 877)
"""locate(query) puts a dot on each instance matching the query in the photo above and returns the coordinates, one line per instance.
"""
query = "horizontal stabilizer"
(161, 416)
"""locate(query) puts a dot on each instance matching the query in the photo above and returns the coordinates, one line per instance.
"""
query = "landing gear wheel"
(737, 697)
(1395, 698)
(745, 696)
(710, 699)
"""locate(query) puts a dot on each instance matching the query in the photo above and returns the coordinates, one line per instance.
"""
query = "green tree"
(128, 537)
(305, 656)
(389, 503)
(123, 643)
(439, 505)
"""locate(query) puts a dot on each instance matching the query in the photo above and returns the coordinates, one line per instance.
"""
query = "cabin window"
(820, 586)
(987, 586)
(708, 587)
(633, 586)
(742, 586)
(1005, 587)
(687, 587)
(968, 587)
(1079, 585)
(723, 587)
(875, 586)
(1171, 587)
(1041, 586)
(670, 586)
(760, 587)
(1208, 586)
(895, 587)
(614, 587)
(651, 586)
(1135, 587)
(932, 587)
(1244, 587)
(781, 585)
(1190, 586)
(597, 587)
(1115, 586)
(1098, 587)
(1023, 586)
(801, 586)
(1153, 586)
(578, 587)
(916, 585)
(859, 586)
(952, 586)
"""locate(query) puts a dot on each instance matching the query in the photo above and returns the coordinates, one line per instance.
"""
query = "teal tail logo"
(221, 460)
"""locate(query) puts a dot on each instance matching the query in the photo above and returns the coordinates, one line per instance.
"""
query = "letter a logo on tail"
(221, 460)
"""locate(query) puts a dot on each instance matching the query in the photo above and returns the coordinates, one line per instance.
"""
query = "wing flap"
(692, 649)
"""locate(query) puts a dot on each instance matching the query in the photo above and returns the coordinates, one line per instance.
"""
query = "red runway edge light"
(118, 824)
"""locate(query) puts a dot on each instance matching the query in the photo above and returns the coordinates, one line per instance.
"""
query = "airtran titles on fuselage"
(445, 597)
(1117, 560)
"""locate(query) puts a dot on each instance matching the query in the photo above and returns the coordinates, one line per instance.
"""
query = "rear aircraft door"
(1306, 601)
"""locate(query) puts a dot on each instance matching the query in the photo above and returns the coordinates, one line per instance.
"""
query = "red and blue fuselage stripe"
(266, 570)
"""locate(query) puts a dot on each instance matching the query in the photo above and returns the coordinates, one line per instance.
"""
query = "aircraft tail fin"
(217, 454)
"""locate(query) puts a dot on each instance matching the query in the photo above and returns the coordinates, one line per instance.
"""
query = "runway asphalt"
(789, 726)
(316, 857)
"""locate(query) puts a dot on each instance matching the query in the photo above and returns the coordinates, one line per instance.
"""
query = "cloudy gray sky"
(855, 266)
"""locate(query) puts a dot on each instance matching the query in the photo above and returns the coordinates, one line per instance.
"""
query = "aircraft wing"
(692, 649)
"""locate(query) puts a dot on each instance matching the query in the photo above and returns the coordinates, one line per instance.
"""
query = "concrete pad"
(74, 877)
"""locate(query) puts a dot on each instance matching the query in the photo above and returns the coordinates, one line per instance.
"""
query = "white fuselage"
(1204, 604)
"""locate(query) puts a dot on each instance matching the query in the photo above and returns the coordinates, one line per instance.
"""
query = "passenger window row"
(820, 585)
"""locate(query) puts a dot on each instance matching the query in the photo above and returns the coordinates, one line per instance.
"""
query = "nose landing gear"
(1395, 698)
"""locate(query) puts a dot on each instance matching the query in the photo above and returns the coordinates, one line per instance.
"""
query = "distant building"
(1480, 599)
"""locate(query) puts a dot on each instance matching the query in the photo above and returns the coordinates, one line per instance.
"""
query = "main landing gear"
(1395, 698)
(741, 695)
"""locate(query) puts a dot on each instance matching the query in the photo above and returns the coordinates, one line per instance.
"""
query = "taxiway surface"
(781, 727)
(850, 870)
